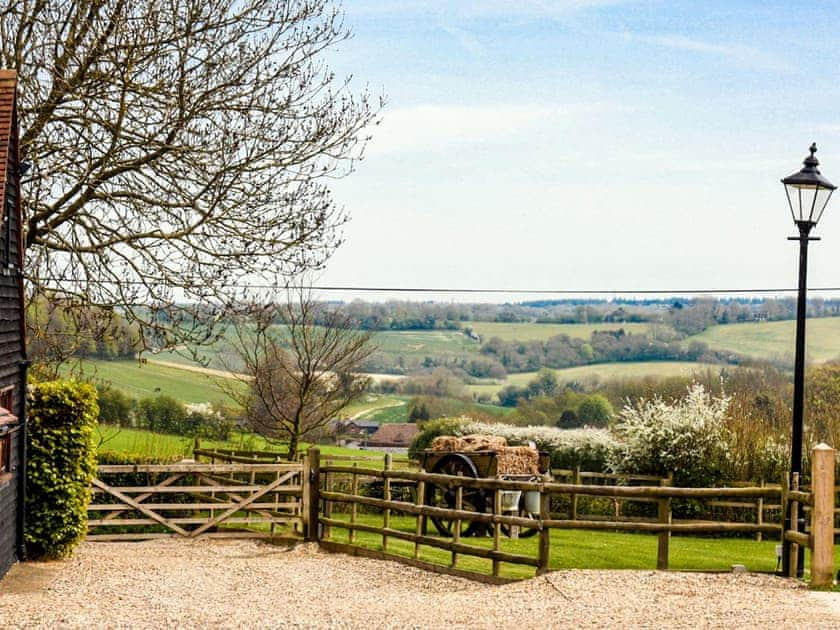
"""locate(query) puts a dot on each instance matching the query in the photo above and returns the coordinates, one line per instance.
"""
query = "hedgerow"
(61, 463)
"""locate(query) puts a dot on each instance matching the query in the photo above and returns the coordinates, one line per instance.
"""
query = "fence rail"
(191, 500)
(496, 519)
(347, 486)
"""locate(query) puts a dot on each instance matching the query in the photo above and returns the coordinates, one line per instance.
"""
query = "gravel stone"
(246, 584)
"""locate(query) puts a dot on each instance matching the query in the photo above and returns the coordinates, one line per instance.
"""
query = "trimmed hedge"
(106, 456)
(62, 461)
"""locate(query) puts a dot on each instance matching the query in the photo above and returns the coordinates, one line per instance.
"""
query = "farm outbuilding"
(12, 345)
(394, 435)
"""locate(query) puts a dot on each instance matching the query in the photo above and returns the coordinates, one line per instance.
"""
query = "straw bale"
(518, 460)
(447, 443)
(476, 442)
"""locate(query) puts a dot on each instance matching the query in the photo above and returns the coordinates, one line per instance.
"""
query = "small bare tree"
(299, 361)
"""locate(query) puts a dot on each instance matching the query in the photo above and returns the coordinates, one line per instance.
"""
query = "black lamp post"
(808, 193)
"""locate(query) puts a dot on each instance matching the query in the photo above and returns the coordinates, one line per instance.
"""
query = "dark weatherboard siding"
(12, 345)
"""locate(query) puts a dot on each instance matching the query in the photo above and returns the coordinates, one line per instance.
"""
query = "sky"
(587, 144)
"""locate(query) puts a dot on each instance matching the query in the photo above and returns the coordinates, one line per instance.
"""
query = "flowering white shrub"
(773, 459)
(687, 437)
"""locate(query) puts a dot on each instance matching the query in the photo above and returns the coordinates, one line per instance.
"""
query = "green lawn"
(774, 341)
(541, 332)
(602, 372)
(580, 549)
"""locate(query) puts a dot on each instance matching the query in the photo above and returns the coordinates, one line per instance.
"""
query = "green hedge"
(107, 456)
(62, 417)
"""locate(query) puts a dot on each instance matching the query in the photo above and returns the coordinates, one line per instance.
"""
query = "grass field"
(423, 342)
(151, 444)
(602, 372)
(579, 549)
(774, 341)
(380, 408)
(541, 332)
(142, 381)
(408, 343)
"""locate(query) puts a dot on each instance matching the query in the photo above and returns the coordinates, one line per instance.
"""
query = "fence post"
(305, 497)
(793, 507)
(576, 480)
(354, 507)
(544, 556)
(665, 518)
(419, 500)
(456, 529)
(329, 486)
(312, 479)
(784, 499)
(386, 494)
(822, 515)
(759, 513)
(497, 530)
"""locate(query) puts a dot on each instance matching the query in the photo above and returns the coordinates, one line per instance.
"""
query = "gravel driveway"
(243, 584)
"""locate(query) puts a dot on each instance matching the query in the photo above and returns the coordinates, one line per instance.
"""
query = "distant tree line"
(603, 346)
(58, 330)
(688, 316)
(164, 414)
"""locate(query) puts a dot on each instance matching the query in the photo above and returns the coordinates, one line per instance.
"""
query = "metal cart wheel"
(472, 499)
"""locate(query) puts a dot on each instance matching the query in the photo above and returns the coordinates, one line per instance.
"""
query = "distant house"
(360, 428)
(394, 435)
(12, 346)
(352, 431)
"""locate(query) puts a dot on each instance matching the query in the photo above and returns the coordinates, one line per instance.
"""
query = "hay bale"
(447, 443)
(518, 460)
(476, 442)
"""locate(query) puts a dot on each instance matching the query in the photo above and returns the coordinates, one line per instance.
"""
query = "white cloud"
(438, 127)
(465, 39)
(743, 55)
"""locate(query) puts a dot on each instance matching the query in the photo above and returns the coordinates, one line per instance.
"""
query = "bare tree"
(299, 363)
(179, 148)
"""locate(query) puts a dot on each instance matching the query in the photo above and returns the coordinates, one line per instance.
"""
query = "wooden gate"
(191, 500)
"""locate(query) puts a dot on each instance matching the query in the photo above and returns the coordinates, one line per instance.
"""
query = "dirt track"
(242, 584)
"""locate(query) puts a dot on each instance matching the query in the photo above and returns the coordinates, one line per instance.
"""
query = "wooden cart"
(475, 464)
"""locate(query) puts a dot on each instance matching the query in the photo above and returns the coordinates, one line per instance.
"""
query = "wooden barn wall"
(9, 513)
(12, 350)
(11, 342)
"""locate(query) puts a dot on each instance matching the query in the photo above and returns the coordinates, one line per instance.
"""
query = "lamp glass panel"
(794, 201)
(805, 201)
(823, 195)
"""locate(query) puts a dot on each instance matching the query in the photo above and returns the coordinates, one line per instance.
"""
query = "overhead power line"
(474, 290)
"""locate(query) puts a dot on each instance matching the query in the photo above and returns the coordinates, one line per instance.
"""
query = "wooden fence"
(244, 456)
(191, 500)
(252, 494)
(496, 520)
(820, 501)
